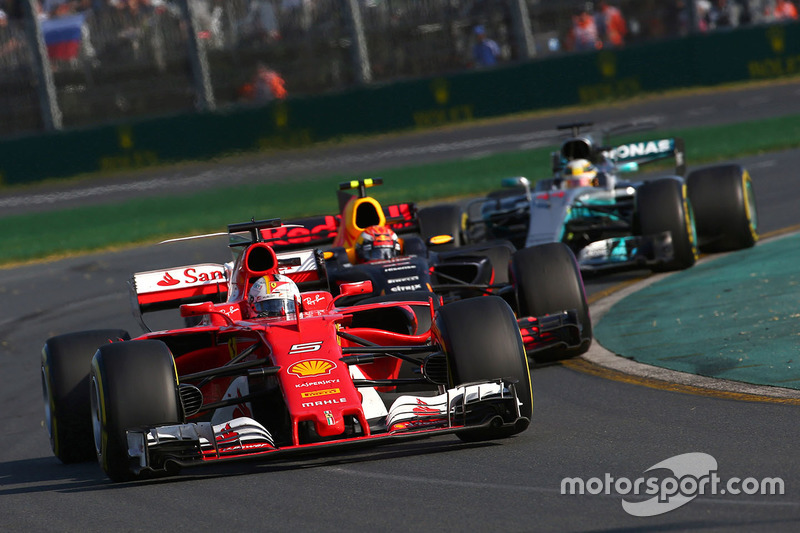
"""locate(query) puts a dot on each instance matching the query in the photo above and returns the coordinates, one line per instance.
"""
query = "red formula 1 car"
(258, 380)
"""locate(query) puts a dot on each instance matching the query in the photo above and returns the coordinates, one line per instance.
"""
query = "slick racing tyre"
(441, 220)
(663, 205)
(132, 385)
(724, 208)
(66, 360)
(481, 340)
(547, 280)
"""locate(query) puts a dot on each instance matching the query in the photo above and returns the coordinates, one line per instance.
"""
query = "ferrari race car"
(542, 284)
(258, 380)
(613, 224)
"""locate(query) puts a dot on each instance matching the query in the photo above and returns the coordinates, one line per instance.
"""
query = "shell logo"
(311, 367)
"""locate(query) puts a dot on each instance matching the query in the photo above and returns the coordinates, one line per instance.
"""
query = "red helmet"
(377, 242)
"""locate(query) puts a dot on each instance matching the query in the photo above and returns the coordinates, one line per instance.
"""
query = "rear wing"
(157, 290)
(321, 230)
(169, 288)
(644, 152)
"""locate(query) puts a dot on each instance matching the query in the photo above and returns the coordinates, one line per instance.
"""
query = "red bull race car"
(271, 371)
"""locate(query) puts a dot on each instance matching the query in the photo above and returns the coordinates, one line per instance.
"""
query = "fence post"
(199, 61)
(523, 36)
(46, 87)
(352, 14)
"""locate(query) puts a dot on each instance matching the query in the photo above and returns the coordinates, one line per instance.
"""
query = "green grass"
(42, 235)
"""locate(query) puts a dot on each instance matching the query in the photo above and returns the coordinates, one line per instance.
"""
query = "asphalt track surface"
(585, 425)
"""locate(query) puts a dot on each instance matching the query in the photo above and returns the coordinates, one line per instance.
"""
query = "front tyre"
(132, 385)
(663, 205)
(547, 280)
(724, 208)
(481, 340)
(66, 360)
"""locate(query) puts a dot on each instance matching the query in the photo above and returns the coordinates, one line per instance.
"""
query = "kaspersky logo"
(311, 367)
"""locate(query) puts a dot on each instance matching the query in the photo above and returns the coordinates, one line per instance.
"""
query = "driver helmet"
(273, 295)
(377, 242)
(579, 173)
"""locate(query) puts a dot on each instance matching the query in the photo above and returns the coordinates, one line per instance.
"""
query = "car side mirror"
(519, 181)
(357, 287)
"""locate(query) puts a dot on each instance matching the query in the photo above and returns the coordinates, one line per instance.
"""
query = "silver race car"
(611, 223)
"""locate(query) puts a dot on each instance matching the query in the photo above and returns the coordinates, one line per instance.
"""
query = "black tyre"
(66, 361)
(663, 205)
(441, 220)
(724, 207)
(482, 341)
(132, 385)
(500, 257)
(547, 280)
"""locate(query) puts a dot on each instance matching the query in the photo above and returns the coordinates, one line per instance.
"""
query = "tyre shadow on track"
(31, 476)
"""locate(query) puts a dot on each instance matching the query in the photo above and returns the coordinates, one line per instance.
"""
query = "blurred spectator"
(485, 52)
(702, 7)
(584, 34)
(677, 19)
(722, 14)
(783, 10)
(12, 43)
(610, 25)
(266, 85)
(260, 24)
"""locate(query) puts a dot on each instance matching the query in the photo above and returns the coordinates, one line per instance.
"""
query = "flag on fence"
(63, 36)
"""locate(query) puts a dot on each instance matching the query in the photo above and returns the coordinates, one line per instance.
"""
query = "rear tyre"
(66, 360)
(500, 257)
(482, 342)
(547, 280)
(132, 385)
(724, 208)
(441, 220)
(663, 205)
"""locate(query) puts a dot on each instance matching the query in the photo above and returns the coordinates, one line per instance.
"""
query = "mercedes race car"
(613, 224)
(270, 371)
(542, 284)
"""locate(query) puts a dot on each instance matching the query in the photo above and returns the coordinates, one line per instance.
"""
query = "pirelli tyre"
(724, 206)
(132, 385)
(439, 220)
(547, 280)
(663, 205)
(482, 342)
(66, 360)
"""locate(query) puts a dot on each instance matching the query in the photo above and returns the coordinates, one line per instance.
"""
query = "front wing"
(626, 253)
(559, 331)
(467, 407)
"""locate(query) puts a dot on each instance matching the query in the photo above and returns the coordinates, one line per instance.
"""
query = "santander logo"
(178, 278)
(168, 281)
